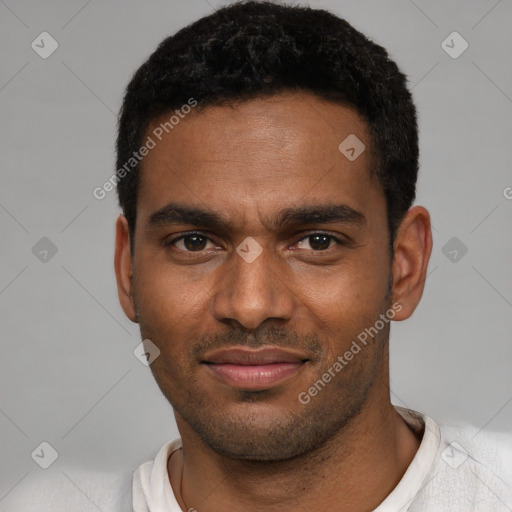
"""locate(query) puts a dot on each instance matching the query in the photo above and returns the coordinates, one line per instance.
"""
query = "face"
(261, 254)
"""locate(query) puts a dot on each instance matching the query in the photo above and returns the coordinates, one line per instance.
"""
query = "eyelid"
(171, 241)
(342, 239)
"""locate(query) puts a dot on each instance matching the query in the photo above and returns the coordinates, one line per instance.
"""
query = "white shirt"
(453, 470)
(456, 469)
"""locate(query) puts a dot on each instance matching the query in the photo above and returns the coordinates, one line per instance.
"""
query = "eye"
(190, 242)
(197, 242)
(318, 241)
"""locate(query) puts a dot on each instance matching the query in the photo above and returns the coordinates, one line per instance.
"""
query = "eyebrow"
(175, 213)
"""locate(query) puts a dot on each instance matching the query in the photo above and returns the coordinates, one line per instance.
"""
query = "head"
(286, 142)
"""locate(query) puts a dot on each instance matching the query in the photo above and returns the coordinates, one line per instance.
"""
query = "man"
(267, 160)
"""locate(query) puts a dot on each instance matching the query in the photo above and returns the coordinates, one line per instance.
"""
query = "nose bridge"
(251, 289)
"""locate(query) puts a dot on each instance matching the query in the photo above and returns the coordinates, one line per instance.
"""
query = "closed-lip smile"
(254, 369)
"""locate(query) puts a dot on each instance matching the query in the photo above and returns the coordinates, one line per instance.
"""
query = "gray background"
(68, 374)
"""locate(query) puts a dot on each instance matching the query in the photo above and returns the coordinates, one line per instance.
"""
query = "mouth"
(254, 370)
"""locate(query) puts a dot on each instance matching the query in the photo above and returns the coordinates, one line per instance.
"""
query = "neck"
(354, 471)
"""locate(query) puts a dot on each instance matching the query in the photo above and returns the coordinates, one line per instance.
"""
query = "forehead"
(263, 154)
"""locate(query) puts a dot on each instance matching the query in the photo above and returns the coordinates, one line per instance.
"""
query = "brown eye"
(192, 242)
(318, 241)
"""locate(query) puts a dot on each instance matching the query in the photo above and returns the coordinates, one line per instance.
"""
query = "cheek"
(166, 292)
(351, 284)
(167, 314)
(346, 300)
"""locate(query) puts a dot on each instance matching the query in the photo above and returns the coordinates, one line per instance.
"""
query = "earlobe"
(412, 249)
(123, 268)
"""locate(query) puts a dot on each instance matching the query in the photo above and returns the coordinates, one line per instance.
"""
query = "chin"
(256, 437)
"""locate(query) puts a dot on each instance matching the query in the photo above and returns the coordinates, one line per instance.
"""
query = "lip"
(254, 370)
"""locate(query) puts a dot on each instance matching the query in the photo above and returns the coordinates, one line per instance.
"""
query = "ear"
(412, 249)
(123, 268)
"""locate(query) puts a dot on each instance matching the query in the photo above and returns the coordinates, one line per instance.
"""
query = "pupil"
(324, 245)
(198, 242)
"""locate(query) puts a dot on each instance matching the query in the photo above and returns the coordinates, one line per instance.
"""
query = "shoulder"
(472, 471)
(485, 450)
(70, 489)
(151, 488)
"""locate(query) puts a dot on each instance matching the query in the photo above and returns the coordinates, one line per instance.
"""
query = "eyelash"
(168, 243)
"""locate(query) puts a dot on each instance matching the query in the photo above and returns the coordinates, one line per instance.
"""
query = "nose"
(252, 292)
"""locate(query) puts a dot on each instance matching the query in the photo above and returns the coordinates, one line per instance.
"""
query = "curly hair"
(255, 49)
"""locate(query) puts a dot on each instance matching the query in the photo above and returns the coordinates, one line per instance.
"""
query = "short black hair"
(250, 50)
